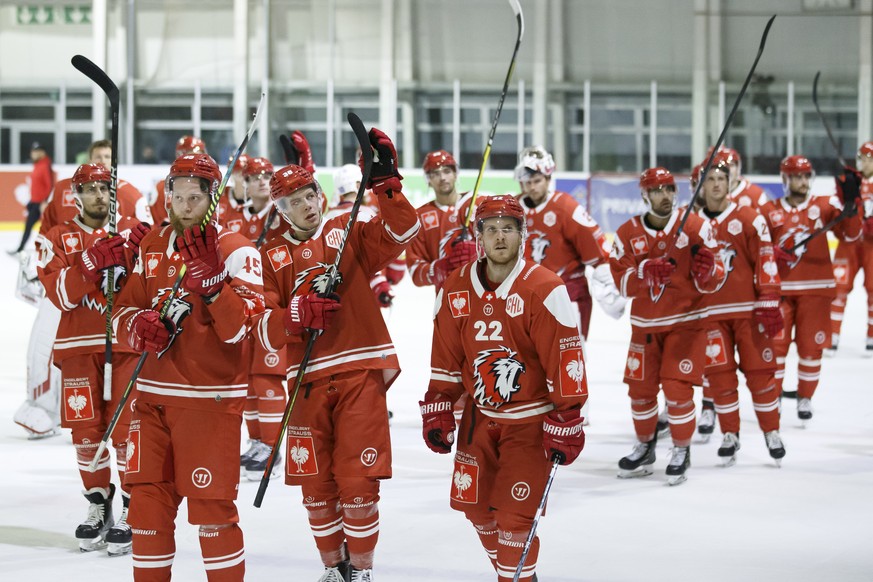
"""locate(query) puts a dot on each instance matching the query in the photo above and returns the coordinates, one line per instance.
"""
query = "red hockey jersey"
(358, 338)
(812, 272)
(230, 212)
(747, 194)
(562, 236)
(61, 206)
(682, 300)
(746, 251)
(439, 225)
(206, 365)
(515, 350)
(82, 329)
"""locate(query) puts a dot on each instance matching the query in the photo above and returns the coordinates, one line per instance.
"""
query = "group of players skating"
(728, 285)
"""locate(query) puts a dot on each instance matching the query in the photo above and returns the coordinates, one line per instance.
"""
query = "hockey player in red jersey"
(187, 144)
(38, 415)
(742, 191)
(73, 259)
(666, 276)
(564, 238)
(338, 446)
(807, 273)
(185, 425)
(744, 315)
(504, 334)
(230, 208)
(852, 257)
(436, 251)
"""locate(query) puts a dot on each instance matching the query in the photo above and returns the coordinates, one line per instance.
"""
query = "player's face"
(102, 156)
(715, 188)
(661, 200)
(258, 188)
(798, 184)
(188, 203)
(865, 165)
(442, 180)
(302, 209)
(501, 239)
(95, 201)
(536, 187)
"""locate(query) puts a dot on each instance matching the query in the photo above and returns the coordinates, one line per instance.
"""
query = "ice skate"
(247, 456)
(679, 463)
(775, 446)
(706, 424)
(639, 462)
(258, 463)
(120, 536)
(338, 573)
(663, 428)
(868, 351)
(365, 575)
(727, 452)
(804, 411)
(92, 532)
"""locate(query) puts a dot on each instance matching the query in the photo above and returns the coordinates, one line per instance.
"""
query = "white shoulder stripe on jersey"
(559, 305)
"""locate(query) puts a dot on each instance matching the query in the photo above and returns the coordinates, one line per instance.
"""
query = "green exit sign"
(64, 14)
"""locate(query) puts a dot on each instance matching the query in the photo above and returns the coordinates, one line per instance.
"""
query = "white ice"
(809, 520)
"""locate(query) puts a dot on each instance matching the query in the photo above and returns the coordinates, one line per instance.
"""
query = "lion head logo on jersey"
(448, 238)
(727, 254)
(539, 244)
(792, 238)
(315, 279)
(177, 312)
(496, 376)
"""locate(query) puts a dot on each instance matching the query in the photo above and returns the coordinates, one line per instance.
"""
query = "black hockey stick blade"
(367, 157)
(824, 121)
(96, 74)
(727, 125)
(288, 150)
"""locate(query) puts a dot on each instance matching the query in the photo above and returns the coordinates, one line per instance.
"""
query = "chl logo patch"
(72, 242)
(514, 305)
(201, 477)
(334, 239)
(301, 457)
(735, 227)
(369, 457)
(465, 481)
(549, 218)
(430, 220)
(459, 303)
(280, 257)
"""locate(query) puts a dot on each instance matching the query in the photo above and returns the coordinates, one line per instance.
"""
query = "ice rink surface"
(811, 520)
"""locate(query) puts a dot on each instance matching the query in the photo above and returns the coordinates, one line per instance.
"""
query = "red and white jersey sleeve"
(682, 301)
(358, 338)
(562, 236)
(82, 329)
(206, 365)
(746, 250)
(812, 272)
(515, 350)
(747, 194)
(439, 226)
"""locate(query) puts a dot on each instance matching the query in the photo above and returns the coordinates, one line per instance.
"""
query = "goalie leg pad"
(36, 420)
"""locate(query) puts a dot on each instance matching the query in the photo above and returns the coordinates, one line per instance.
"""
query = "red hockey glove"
(563, 436)
(702, 263)
(105, 253)
(147, 332)
(577, 285)
(656, 272)
(438, 422)
(783, 260)
(137, 233)
(461, 253)
(384, 178)
(383, 293)
(395, 271)
(304, 152)
(849, 189)
(768, 315)
(312, 311)
(206, 269)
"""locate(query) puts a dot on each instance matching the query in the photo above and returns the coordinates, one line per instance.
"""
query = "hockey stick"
(367, 156)
(99, 76)
(290, 158)
(832, 223)
(519, 17)
(720, 139)
(536, 520)
(213, 204)
(824, 121)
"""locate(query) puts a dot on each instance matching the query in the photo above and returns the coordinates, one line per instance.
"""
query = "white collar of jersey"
(287, 234)
(85, 227)
(502, 291)
(674, 216)
(798, 208)
(540, 206)
(721, 217)
(232, 202)
(741, 185)
(249, 212)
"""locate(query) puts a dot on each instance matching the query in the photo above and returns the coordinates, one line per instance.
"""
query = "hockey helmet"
(189, 144)
(258, 167)
(438, 159)
(346, 179)
(534, 160)
(194, 166)
(90, 173)
(866, 150)
(794, 165)
(241, 163)
(503, 205)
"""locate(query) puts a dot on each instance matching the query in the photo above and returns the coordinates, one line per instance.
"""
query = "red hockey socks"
(765, 398)
(326, 524)
(510, 545)
(223, 552)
